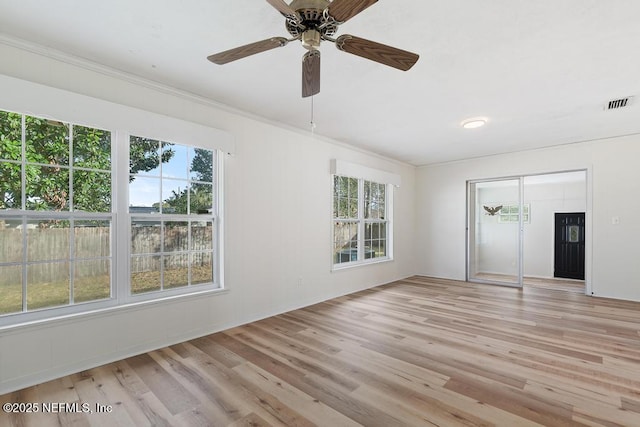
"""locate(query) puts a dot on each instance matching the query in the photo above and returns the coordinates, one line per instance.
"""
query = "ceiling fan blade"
(387, 55)
(343, 10)
(247, 50)
(311, 73)
(282, 7)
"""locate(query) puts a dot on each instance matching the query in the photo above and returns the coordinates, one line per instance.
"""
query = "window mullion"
(71, 220)
(217, 229)
(388, 219)
(361, 225)
(23, 165)
(24, 263)
(122, 234)
(23, 204)
(163, 231)
(72, 266)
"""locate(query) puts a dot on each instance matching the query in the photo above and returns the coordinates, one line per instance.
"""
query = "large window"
(55, 214)
(93, 218)
(361, 224)
(171, 202)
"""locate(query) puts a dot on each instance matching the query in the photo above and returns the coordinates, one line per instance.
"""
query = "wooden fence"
(50, 248)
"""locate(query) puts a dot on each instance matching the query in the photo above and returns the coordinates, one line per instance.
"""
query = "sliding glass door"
(494, 231)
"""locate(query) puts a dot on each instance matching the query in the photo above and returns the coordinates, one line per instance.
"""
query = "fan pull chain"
(313, 124)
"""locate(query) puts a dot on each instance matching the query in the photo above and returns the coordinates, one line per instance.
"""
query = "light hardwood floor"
(568, 285)
(416, 352)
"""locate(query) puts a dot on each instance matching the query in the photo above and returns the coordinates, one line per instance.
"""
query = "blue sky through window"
(144, 190)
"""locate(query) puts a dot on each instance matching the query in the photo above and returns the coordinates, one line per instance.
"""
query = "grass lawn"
(53, 294)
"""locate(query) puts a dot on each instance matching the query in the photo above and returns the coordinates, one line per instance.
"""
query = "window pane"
(352, 184)
(47, 240)
(176, 271)
(201, 235)
(145, 274)
(47, 141)
(374, 241)
(10, 185)
(201, 199)
(345, 242)
(91, 148)
(145, 237)
(201, 268)
(47, 188)
(345, 197)
(92, 280)
(144, 195)
(367, 198)
(92, 239)
(144, 156)
(381, 201)
(10, 136)
(382, 251)
(47, 285)
(10, 289)
(343, 210)
(338, 188)
(91, 191)
(10, 240)
(176, 236)
(174, 196)
(353, 208)
(370, 250)
(201, 168)
(174, 159)
(374, 200)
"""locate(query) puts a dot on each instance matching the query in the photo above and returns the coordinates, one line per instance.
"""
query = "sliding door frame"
(520, 273)
(588, 227)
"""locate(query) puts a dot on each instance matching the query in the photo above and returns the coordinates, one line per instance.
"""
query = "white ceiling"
(539, 70)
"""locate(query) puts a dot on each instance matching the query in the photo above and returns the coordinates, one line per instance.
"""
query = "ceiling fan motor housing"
(312, 16)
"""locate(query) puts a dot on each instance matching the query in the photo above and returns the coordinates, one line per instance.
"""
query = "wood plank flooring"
(568, 285)
(416, 352)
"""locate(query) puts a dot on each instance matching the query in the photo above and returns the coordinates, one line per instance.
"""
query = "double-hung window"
(56, 214)
(172, 209)
(122, 208)
(362, 229)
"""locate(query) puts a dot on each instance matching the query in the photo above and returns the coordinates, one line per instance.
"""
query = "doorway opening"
(511, 231)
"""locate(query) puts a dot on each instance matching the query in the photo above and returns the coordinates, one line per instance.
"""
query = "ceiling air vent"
(619, 103)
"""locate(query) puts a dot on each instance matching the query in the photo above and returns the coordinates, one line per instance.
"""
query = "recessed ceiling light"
(474, 122)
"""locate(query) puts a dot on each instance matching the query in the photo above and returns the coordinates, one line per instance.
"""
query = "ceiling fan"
(312, 21)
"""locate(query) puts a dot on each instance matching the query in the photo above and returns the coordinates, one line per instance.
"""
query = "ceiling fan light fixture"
(311, 39)
(474, 122)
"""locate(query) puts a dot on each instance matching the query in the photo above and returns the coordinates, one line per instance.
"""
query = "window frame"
(25, 215)
(30, 99)
(361, 220)
(215, 217)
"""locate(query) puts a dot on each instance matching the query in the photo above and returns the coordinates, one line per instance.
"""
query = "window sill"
(355, 264)
(106, 311)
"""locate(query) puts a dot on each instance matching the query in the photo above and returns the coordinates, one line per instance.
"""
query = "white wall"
(278, 231)
(613, 183)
